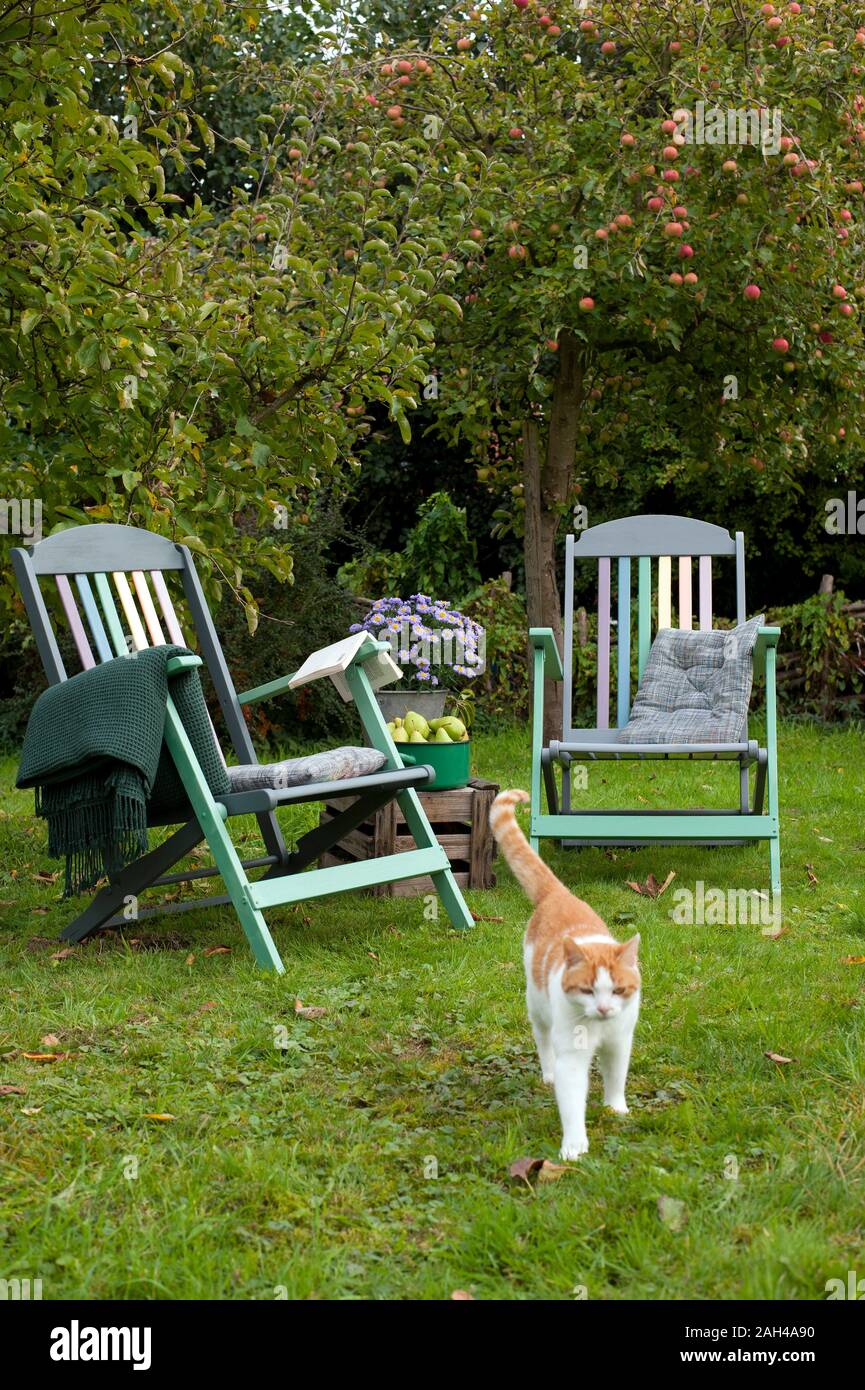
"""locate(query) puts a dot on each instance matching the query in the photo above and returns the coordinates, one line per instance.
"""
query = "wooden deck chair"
(650, 545)
(121, 602)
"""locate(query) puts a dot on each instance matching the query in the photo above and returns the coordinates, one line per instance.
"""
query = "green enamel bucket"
(451, 761)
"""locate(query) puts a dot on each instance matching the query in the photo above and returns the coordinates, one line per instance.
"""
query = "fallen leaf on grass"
(476, 917)
(460, 1296)
(63, 955)
(157, 1115)
(32, 1109)
(523, 1168)
(39, 943)
(40, 911)
(551, 1172)
(651, 887)
(203, 1009)
(44, 877)
(217, 951)
(825, 838)
(854, 960)
(190, 960)
(46, 1056)
(673, 1213)
(308, 1010)
(776, 1057)
(49, 1040)
(373, 954)
(812, 877)
(11, 1090)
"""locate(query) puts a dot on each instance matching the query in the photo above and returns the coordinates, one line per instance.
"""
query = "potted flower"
(438, 648)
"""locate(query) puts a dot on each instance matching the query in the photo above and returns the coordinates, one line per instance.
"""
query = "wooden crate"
(460, 820)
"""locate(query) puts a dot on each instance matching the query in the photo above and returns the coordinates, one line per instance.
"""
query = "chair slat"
(161, 590)
(76, 627)
(644, 620)
(623, 675)
(115, 627)
(151, 618)
(686, 619)
(604, 643)
(136, 627)
(94, 618)
(665, 592)
(705, 593)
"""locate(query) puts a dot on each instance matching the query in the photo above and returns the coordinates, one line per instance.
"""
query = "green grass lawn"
(367, 1155)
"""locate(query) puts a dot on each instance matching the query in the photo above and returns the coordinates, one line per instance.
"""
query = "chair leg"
(775, 871)
(445, 884)
(550, 783)
(760, 784)
(268, 827)
(408, 800)
(743, 790)
(225, 856)
(133, 880)
(566, 796)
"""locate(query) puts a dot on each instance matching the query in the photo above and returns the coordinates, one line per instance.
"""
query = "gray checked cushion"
(332, 766)
(696, 687)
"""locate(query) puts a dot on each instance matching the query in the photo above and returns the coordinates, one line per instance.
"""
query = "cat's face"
(602, 978)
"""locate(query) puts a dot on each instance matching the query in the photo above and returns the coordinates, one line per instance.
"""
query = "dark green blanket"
(94, 752)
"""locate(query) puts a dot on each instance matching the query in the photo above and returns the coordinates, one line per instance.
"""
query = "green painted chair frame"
(102, 560)
(653, 542)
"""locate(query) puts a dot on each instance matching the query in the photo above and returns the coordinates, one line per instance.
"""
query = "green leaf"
(447, 301)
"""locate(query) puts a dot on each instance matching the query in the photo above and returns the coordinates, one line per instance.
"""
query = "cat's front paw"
(619, 1107)
(572, 1148)
(547, 1078)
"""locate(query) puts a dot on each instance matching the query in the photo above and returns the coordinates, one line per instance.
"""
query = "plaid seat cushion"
(696, 687)
(333, 766)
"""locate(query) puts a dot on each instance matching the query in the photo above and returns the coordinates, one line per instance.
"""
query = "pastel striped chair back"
(116, 588)
(667, 561)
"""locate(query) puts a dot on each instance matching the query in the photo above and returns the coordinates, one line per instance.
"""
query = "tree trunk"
(547, 476)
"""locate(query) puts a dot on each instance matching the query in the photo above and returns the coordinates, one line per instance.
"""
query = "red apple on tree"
(780, 344)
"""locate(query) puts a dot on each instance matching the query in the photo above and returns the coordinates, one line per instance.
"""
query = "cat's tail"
(528, 867)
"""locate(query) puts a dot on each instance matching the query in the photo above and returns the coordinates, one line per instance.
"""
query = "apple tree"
(668, 246)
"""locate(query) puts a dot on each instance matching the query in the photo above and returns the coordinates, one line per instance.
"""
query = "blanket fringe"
(100, 830)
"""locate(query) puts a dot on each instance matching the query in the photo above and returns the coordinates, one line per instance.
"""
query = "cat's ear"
(573, 954)
(628, 951)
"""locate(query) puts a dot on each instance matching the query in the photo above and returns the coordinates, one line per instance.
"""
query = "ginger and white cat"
(582, 986)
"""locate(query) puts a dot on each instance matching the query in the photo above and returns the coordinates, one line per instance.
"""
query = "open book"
(334, 661)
